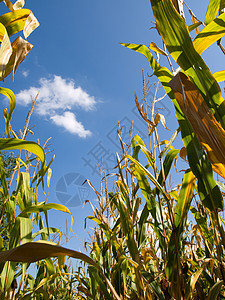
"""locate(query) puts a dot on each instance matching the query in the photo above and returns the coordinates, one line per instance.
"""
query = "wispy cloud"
(25, 73)
(57, 97)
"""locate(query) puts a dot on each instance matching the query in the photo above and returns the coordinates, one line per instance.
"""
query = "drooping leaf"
(149, 175)
(144, 186)
(35, 251)
(9, 4)
(15, 21)
(194, 27)
(195, 21)
(20, 49)
(11, 144)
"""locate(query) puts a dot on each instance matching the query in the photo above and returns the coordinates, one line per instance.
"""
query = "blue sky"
(87, 82)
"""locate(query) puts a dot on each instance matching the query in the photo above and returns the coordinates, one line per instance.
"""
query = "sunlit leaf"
(31, 252)
(30, 25)
(18, 4)
(194, 27)
(9, 4)
(185, 197)
(12, 99)
(5, 50)
(15, 21)
(11, 144)
(174, 32)
(195, 22)
(212, 11)
(155, 48)
(209, 132)
(210, 34)
(219, 76)
(20, 49)
(199, 163)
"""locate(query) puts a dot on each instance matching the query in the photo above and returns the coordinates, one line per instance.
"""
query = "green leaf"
(144, 186)
(212, 11)
(210, 34)
(36, 251)
(194, 26)
(199, 163)
(13, 143)
(12, 99)
(171, 155)
(149, 175)
(174, 32)
(185, 197)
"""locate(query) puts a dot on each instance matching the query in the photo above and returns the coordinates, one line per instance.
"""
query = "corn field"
(151, 239)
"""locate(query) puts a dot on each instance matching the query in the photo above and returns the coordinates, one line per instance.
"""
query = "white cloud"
(57, 97)
(69, 122)
(25, 73)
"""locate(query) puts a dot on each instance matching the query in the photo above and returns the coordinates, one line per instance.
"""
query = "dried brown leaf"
(20, 50)
(208, 131)
(142, 113)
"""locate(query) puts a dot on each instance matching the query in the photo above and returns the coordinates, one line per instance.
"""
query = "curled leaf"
(30, 25)
(20, 50)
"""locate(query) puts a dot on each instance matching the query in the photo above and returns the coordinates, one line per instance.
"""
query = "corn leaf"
(30, 25)
(20, 49)
(18, 4)
(170, 156)
(194, 27)
(210, 34)
(144, 186)
(219, 76)
(174, 32)
(149, 175)
(208, 131)
(12, 99)
(212, 11)
(11, 144)
(5, 50)
(35, 251)
(185, 197)
(199, 163)
(17, 20)
(215, 290)
(155, 48)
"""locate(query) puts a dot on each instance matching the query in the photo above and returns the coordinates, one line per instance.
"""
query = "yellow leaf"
(208, 131)
(155, 48)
